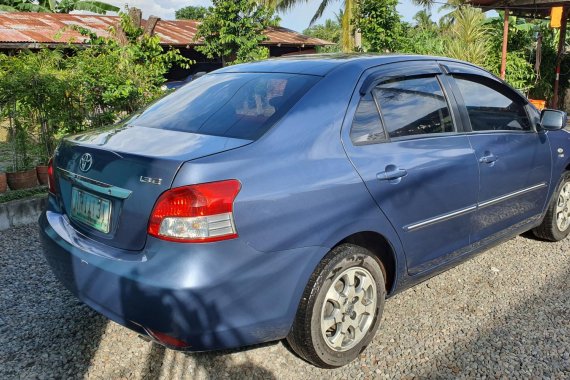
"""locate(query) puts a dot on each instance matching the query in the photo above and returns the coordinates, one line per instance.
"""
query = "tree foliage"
(62, 6)
(191, 13)
(46, 94)
(520, 71)
(347, 20)
(464, 33)
(423, 38)
(234, 31)
(469, 37)
(380, 25)
(423, 20)
(330, 31)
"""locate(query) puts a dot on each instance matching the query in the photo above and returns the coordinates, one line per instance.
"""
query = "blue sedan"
(289, 198)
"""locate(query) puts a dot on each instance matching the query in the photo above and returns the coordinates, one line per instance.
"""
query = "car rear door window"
(413, 106)
(238, 105)
(366, 125)
(491, 110)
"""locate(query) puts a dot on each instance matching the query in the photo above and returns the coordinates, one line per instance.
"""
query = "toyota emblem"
(86, 162)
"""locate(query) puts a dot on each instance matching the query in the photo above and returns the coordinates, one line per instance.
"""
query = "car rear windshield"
(238, 105)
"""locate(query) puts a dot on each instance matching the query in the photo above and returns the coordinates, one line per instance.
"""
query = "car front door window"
(491, 110)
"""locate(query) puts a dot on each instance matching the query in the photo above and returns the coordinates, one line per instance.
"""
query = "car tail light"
(196, 214)
(167, 340)
(51, 177)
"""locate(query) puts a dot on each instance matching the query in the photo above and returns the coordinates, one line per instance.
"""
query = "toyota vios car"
(289, 198)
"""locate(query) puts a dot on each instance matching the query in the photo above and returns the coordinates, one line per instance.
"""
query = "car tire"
(556, 223)
(341, 307)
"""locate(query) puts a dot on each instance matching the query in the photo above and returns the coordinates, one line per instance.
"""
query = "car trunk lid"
(109, 180)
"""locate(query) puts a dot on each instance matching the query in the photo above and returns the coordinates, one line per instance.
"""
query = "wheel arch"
(381, 247)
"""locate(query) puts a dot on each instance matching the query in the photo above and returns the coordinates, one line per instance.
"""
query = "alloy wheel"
(348, 311)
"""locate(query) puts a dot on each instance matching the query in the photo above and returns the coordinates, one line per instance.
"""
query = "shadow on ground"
(164, 363)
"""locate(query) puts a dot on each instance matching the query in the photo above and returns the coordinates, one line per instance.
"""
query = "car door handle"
(488, 158)
(391, 173)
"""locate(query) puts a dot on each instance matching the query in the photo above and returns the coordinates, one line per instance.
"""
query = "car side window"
(413, 106)
(491, 110)
(366, 125)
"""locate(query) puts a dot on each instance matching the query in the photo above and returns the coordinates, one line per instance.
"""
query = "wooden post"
(150, 25)
(136, 15)
(505, 43)
(561, 41)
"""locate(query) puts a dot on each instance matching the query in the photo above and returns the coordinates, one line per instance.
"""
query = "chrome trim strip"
(511, 195)
(93, 185)
(469, 209)
(440, 218)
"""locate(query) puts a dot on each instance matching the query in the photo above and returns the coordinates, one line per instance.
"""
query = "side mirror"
(553, 120)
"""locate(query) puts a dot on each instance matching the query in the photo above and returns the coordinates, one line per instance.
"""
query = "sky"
(296, 19)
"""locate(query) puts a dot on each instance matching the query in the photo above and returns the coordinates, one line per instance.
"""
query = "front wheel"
(556, 223)
(341, 308)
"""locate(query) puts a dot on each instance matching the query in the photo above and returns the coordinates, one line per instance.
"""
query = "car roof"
(322, 64)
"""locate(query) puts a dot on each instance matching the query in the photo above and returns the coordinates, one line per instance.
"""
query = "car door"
(423, 175)
(514, 158)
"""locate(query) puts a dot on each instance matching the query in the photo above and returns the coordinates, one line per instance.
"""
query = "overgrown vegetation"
(191, 13)
(464, 33)
(348, 15)
(22, 194)
(330, 31)
(50, 93)
(55, 6)
(380, 25)
(233, 31)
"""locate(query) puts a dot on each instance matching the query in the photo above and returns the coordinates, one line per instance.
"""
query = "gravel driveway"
(501, 315)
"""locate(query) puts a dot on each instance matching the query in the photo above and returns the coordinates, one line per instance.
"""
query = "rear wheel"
(341, 308)
(556, 223)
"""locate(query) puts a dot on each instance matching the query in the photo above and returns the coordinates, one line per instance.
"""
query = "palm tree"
(469, 36)
(54, 6)
(423, 19)
(330, 30)
(348, 32)
(451, 5)
(427, 4)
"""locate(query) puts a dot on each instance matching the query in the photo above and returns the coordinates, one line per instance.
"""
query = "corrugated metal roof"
(54, 28)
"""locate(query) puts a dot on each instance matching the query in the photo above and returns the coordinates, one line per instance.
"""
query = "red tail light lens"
(196, 214)
(167, 340)
(51, 177)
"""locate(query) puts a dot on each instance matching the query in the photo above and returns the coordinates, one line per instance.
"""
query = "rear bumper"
(212, 296)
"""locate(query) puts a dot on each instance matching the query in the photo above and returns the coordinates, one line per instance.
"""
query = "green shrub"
(23, 194)
(50, 93)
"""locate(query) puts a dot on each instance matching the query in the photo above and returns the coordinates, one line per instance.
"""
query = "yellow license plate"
(91, 210)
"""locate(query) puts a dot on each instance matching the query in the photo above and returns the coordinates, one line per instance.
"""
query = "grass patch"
(23, 194)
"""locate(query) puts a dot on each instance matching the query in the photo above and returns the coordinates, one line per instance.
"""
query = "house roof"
(54, 28)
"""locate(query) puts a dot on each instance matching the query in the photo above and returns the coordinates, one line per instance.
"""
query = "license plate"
(91, 210)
